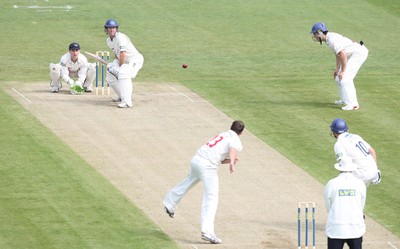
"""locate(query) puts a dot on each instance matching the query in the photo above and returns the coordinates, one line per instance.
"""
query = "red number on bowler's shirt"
(214, 141)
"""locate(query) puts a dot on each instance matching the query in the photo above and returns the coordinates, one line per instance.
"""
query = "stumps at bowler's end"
(306, 209)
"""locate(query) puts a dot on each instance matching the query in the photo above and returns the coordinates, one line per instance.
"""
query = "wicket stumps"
(100, 74)
(306, 208)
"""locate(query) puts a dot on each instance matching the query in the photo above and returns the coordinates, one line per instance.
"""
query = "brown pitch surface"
(145, 150)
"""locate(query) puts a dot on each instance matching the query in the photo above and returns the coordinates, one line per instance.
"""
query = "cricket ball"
(184, 65)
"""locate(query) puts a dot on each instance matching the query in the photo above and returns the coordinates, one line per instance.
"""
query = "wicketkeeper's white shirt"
(76, 69)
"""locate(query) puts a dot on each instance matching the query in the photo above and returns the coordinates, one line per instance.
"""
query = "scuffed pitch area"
(144, 151)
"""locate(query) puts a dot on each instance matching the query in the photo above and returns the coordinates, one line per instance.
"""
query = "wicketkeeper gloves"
(77, 90)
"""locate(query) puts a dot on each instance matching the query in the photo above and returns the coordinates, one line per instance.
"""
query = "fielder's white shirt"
(121, 42)
(345, 198)
(338, 42)
(68, 67)
(218, 148)
(354, 146)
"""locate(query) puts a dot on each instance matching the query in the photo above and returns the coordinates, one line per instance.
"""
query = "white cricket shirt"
(68, 66)
(121, 42)
(338, 42)
(217, 149)
(354, 146)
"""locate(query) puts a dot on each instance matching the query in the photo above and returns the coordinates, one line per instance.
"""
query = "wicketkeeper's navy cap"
(74, 46)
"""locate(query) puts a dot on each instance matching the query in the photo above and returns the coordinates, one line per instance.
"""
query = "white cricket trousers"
(200, 170)
(347, 90)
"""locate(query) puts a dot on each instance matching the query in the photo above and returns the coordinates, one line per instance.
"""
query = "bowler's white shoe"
(171, 214)
(210, 238)
(124, 105)
(54, 89)
(350, 107)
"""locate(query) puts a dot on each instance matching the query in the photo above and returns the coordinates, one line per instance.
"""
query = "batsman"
(128, 61)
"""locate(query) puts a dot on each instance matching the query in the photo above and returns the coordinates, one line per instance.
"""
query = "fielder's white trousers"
(347, 90)
(200, 170)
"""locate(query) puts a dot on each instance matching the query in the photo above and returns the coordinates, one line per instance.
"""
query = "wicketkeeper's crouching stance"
(73, 64)
(125, 67)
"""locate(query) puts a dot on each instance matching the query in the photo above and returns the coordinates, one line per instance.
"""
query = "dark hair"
(237, 126)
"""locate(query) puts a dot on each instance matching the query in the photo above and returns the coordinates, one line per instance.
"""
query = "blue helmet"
(339, 125)
(319, 26)
(111, 23)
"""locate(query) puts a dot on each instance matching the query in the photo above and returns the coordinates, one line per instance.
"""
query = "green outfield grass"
(253, 59)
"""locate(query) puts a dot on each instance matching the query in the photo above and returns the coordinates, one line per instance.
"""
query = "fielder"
(127, 64)
(73, 64)
(223, 148)
(353, 146)
(350, 56)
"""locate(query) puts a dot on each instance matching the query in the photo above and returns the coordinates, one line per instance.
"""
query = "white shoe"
(124, 105)
(339, 102)
(350, 107)
(210, 238)
(54, 89)
(171, 214)
(88, 89)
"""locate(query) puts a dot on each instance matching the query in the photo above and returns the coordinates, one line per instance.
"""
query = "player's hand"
(78, 83)
(232, 168)
(335, 74)
(341, 75)
(71, 82)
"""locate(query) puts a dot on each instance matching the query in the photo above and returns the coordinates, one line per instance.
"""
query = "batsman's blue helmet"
(111, 23)
(319, 26)
(339, 125)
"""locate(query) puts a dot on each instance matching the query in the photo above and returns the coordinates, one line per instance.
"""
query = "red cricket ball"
(184, 65)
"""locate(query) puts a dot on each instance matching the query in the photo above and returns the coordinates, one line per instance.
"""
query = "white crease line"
(393, 246)
(182, 94)
(194, 247)
(43, 7)
(22, 95)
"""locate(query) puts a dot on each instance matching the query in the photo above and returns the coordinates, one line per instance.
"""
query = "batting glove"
(377, 178)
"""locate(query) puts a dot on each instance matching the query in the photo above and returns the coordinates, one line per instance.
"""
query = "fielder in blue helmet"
(350, 56)
(317, 30)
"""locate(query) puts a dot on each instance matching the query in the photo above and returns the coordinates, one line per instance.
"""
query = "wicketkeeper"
(73, 65)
